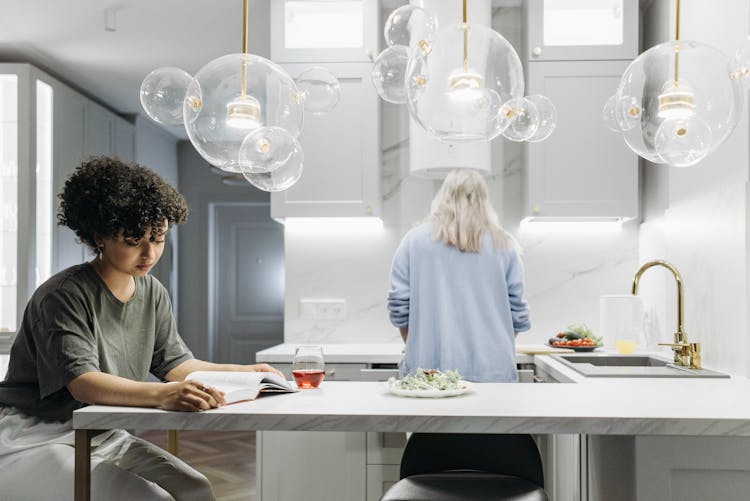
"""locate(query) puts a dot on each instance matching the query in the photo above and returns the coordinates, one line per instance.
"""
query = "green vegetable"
(581, 331)
(428, 380)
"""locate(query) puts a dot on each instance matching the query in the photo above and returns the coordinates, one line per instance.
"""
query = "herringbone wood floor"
(227, 458)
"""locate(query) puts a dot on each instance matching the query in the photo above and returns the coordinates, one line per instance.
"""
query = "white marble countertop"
(381, 353)
(369, 353)
(620, 407)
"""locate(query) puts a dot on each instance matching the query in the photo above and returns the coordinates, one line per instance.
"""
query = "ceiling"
(69, 40)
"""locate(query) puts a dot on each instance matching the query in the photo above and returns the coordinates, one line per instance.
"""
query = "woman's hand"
(263, 368)
(189, 396)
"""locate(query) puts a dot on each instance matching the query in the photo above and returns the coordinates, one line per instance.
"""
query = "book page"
(242, 385)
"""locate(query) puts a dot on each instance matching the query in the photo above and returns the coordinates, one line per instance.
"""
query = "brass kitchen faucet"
(685, 354)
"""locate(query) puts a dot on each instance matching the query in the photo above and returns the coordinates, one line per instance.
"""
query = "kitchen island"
(643, 407)
(677, 407)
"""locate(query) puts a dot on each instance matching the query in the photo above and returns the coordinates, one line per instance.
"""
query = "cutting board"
(540, 349)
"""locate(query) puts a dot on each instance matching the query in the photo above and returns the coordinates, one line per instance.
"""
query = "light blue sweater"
(462, 309)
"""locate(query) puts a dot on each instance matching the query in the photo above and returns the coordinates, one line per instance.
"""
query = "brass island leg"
(83, 466)
(83, 463)
(172, 443)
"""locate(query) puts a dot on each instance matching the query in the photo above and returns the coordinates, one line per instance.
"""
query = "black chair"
(464, 466)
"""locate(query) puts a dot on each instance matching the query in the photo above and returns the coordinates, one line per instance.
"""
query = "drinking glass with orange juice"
(625, 346)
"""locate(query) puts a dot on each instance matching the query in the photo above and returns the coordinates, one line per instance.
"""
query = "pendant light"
(462, 83)
(677, 102)
(242, 112)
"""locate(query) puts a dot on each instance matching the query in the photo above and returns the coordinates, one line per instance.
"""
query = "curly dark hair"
(105, 195)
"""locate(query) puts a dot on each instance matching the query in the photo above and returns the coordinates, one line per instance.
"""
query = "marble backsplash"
(565, 275)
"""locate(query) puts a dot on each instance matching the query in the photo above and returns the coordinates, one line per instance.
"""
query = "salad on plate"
(577, 336)
(429, 383)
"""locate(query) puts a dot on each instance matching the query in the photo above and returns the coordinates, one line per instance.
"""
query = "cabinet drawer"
(525, 375)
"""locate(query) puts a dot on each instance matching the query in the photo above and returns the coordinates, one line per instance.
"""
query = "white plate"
(465, 388)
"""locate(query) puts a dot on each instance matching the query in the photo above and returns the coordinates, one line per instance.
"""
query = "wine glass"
(308, 367)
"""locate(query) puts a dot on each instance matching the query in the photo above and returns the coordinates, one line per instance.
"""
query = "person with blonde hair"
(457, 287)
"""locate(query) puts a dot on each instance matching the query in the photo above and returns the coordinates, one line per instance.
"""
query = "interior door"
(246, 280)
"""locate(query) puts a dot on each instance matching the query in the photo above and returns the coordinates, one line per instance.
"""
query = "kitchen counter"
(373, 353)
(616, 407)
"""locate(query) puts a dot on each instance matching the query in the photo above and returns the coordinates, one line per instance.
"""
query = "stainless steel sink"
(631, 366)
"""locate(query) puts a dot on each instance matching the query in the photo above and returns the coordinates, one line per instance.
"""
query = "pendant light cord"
(465, 27)
(244, 47)
(677, 44)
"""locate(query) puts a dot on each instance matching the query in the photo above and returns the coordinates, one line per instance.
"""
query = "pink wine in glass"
(307, 379)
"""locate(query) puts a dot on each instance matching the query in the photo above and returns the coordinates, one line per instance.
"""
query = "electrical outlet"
(322, 309)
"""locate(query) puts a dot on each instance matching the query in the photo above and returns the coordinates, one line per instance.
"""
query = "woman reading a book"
(91, 334)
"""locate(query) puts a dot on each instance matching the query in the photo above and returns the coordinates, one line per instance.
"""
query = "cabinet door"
(123, 139)
(380, 478)
(98, 138)
(583, 170)
(310, 465)
(324, 32)
(692, 468)
(583, 30)
(67, 152)
(342, 153)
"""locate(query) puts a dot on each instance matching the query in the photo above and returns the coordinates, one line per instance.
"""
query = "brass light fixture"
(476, 101)
(678, 101)
(242, 112)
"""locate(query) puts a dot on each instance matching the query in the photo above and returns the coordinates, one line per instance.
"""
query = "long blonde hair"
(461, 212)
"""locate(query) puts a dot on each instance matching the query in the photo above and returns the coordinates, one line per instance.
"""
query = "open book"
(243, 385)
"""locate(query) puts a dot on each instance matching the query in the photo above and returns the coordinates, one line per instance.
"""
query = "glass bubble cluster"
(462, 82)
(319, 89)
(243, 113)
(271, 158)
(678, 101)
(162, 93)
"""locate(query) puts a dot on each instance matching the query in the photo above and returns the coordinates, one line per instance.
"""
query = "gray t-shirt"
(72, 325)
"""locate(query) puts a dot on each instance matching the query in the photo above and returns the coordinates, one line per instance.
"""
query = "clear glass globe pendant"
(678, 101)
(462, 83)
(242, 112)
(232, 96)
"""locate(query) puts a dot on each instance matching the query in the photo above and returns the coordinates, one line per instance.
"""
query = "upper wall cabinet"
(342, 152)
(308, 31)
(583, 170)
(83, 128)
(341, 176)
(581, 30)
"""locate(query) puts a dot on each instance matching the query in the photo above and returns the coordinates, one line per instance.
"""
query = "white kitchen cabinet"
(692, 468)
(584, 30)
(380, 478)
(25, 175)
(341, 176)
(315, 466)
(583, 170)
(304, 31)
(46, 129)
(107, 133)
(82, 128)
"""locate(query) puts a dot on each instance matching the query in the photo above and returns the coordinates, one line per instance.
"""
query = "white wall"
(696, 218)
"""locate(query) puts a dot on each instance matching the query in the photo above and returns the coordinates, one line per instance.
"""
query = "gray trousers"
(123, 467)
